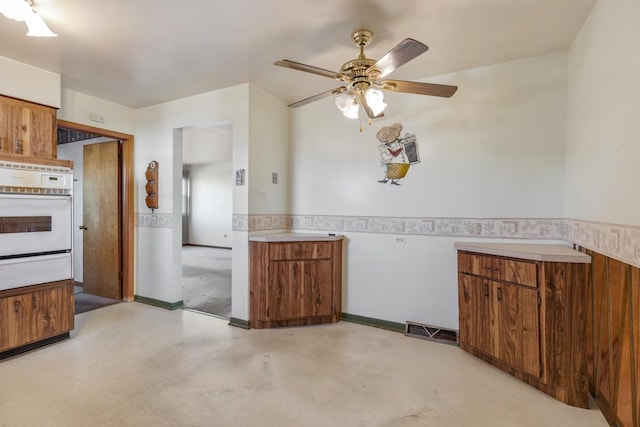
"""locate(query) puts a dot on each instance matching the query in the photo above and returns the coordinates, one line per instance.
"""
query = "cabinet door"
(51, 312)
(467, 310)
(486, 333)
(316, 298)
(36, 126)
(477, 313)
(26, 128)
(16, 327)
(284, 291)
(6, 140)
(518, 334)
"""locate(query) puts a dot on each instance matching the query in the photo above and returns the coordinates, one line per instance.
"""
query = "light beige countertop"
(534, 252)
(295, 237)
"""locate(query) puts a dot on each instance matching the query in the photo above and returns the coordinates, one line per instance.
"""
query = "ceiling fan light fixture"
(375, 99)
(18, 10)
(346, 102)
(38, 28)
(352, 111)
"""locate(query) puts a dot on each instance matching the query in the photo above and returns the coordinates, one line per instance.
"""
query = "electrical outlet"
(400, 240)
(274, 177)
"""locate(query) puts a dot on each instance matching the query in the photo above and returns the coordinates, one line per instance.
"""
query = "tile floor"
(131, 364)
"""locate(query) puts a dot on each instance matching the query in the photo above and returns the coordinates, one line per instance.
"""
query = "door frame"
(126, 208)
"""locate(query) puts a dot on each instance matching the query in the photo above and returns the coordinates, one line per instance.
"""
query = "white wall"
(77, 107)
(493, 150)
(211, 204)
(603, 110)
(158, 137)
(269, 153)
(26, 82)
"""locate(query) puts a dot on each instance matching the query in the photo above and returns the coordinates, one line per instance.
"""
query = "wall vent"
(431, 333)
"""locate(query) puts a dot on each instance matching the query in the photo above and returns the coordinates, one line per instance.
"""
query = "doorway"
(207, 217)
(122, 286)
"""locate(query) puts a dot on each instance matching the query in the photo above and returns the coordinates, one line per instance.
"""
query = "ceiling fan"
(363, 77)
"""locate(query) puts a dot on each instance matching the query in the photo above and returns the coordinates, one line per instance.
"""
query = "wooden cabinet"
(35, 313)
(295, 283)
(527, 317)
(27, 129)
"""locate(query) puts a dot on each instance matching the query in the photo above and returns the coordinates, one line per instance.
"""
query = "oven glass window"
(24, 224)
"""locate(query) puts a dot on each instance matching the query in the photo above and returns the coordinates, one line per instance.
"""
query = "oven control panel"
(23, 177)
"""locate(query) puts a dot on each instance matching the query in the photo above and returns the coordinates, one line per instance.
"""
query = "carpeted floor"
(87, 302)
(206, 280)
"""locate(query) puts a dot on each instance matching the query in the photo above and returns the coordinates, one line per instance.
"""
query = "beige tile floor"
(135, 365)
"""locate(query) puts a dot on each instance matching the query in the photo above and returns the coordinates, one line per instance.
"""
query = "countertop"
(534, 252)
(295, 237)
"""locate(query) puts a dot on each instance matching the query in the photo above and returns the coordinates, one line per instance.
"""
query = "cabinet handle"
(486, 289)
(499, 294)
(295, 271)
(16, 306)
(34, 301)
(306, 268)
(18, 147)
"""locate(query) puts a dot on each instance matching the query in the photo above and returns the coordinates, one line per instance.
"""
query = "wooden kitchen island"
(295, 279)
(522, 308)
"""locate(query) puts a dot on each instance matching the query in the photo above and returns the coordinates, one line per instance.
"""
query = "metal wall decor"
(397, 153)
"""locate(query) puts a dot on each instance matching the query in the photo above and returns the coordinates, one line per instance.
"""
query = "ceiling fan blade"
(362, 100)
(418, 88)
(404, 52)
(318, 97)
(311, 69)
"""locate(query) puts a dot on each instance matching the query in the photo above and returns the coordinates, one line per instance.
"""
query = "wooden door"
(101, 220)
(517, 326)
(316, 298)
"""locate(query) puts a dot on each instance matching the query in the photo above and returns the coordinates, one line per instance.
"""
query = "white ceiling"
(143, 52)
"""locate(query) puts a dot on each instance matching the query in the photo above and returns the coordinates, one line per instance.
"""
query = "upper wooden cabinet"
(522, 308)
(27, 129)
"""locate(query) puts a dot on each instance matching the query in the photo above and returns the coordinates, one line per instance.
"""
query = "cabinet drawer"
(304, 250)
(510, 270)
(520, 272)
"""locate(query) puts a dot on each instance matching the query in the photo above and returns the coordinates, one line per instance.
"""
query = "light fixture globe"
(38, 28)
(18, 10)
(375, 99)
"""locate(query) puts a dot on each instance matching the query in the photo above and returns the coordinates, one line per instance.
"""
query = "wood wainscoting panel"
(613, 359)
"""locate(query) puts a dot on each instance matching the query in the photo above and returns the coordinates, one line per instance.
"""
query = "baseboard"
(32, 346)
(370, 321)
(158, 303)
(239, 323)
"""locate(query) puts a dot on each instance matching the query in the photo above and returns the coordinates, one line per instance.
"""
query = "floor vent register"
(431, 333)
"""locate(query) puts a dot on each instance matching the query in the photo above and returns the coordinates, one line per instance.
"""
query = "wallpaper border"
(615, 240)
(147, 220)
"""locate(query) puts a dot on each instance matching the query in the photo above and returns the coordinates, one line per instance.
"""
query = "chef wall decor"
(397, 153)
